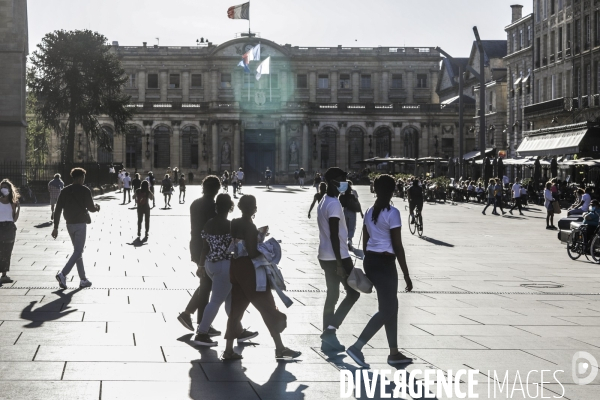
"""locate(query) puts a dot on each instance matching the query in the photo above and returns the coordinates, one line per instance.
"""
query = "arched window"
(327, 142)
(383, 137)
(162, 147)
(189, 147)
(105, 145)
(133, 147)
(356, 139)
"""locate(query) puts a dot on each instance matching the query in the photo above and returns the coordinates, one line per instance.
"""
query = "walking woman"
(383, 246)
(142, 198)
(225, 182)
(137, 183)
(9, 214)
(215, 263)
(243, 291)
(548, 199)
(167, 188)
(181, 188)
(318, 196)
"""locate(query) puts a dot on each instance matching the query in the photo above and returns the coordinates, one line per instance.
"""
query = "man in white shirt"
(334, 258)
(584, 204)
(126, 187)
(516, 190)
(120, 177)
(240, 177)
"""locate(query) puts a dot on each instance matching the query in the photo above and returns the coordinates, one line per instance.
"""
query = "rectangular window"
(588, 79)
(577, 83)
(559, 85)
(521, 39)
(552, 43)
(152, 81)
(344, 81)
(545, 9)
(323, 81)
(598, 77)
(131, 82)
(514, 42)
(529, 35)
(552, 8)
(538, 58)
(597, 29)
(196, 80)
(560, 39)
(174, 81)
(577, 36)
(560, 5)
(553, 88)
(538, 10)
(396, 81)
(568, 38)
(225, 81)
(365, 81)
(545, 90)
(302, 81)
(421, 80)
(545, 46)
(588, 32)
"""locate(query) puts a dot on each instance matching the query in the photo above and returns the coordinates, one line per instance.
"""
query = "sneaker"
(326, 348)
(510, 212)
(399, 359)
(483, 212)
(62, 281)
(213, 332)
(246, 335)
(549, 227)
(6, 279)
(84, 283)
(203, 339)
(186, 321)
(357, 356)
(329, 337)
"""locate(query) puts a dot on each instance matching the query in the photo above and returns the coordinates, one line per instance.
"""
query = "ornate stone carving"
(342, 124)
(226, 153)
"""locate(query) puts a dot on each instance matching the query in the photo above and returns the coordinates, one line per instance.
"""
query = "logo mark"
(584, 363)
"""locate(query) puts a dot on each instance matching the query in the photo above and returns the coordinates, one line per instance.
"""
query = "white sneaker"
(62, 281)
(84, 283)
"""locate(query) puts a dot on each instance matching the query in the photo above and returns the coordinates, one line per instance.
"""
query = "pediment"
(235, 48)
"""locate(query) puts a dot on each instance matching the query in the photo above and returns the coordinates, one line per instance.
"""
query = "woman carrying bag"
(382, 246)
(9, 214)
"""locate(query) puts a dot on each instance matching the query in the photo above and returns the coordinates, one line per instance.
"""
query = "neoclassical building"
(320, 107)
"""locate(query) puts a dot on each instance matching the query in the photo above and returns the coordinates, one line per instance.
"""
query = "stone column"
(215, 147)
(385, 86)
(305, 151)
(214, 85)
(312, 86)
(410, 85)
(163, 84)
(376, 87)
(316, 146)
(369, 139)
(433, 79)
(397, 141)
(141, 82)
(185, 86)
(284, 86)
(333, 84)
(147, 146)
(343, 147)
(175, 145)
(237, 151)
(283, 147)
(237, 84)
(355, 87)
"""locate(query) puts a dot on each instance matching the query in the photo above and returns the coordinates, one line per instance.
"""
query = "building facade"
(320, 107)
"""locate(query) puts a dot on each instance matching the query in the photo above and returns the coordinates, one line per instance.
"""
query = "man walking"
(491, 197)
(301, 176)
(76, 200)
(499, 192)
(151, 180)
(516, 191)
(54, 187)
(334, 258)
(240, 176)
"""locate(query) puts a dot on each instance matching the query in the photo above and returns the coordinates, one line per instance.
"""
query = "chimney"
(517, 12)
(145, 44)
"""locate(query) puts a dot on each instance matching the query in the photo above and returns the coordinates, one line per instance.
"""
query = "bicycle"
(415, 222)
(577, 245)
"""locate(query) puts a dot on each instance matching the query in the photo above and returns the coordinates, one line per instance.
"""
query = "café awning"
(551, 143)
(474, 154)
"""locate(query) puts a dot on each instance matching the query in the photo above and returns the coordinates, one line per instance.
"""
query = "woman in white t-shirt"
(382, 246)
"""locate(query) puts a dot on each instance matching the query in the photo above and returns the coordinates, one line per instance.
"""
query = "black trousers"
(200, 298)
(141, 212)
(126, 191)
(331, 316)
(517, 204)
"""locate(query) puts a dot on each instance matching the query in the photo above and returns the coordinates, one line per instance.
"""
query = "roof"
(451, 69)
(494, 48)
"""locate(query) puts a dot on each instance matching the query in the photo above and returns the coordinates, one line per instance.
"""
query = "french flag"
(241, 11)
(251, 55)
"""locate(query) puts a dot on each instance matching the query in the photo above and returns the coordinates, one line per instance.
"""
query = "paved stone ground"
(121, 340)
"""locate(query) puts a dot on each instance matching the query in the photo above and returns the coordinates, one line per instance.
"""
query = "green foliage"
(37, 136)
(76, 78)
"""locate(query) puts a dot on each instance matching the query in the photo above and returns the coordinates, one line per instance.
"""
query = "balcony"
(559, 55)
(568, 52)
(545, 61)
(546, 107)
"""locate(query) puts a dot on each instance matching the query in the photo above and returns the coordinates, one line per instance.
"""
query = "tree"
(76, 78)
(37, 135)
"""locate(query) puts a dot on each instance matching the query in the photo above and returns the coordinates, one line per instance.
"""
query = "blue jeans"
(350, 223)
(381, 270)
(218, 271)
(78, 234)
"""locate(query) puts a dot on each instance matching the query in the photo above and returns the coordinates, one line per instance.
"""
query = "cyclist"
(591, 220)
(415, 199)
(268, 175)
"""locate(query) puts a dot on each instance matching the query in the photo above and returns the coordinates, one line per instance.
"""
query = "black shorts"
(415, 204)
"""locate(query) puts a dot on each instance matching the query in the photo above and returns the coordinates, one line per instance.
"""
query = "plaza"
(490, 293)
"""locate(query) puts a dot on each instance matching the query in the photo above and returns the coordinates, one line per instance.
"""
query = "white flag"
(264, 68)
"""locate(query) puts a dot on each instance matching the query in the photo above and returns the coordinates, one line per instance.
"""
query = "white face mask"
(5, 191)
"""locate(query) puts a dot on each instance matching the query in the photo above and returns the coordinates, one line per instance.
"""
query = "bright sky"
(319, 23)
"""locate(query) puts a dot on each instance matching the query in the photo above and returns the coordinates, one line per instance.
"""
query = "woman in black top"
(167, 188)
(142, 198)
(318, 196)
(317, 181)
(137, 183)
(243, 291)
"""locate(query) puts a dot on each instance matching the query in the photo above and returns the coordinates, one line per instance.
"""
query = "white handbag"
(357, 279)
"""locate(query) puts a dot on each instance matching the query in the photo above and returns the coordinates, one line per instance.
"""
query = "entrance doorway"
(259, 153)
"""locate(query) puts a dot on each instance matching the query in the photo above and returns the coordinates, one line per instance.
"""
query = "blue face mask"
(343, 187)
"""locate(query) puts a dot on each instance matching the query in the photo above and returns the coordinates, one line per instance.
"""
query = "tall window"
(105, 145)
(344, 81)
(355, 145)
(174, 81)
(133, 148)
(162, 147)
(382, 142)
(152, 81)
(365, 81)
(545, 8)
(588, 79)
(538, 49)
(577, 84)
(301, 81)
(528, 35)
(323, 81)
(560, 5)
(396, 81)
(421, 80)
(514, 42)
(597, 29)
(577, 35)
(225, 81)
(196, 81)
(521, 39)
(131, 80)
(560, 39)
(552, 7)
(552, 42)
(538, 10)
(553, 87)
(189, 147)
(598, 77)
(559, 85)
(588, 32)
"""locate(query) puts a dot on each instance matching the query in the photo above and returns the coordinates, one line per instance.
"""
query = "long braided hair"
(384, 186)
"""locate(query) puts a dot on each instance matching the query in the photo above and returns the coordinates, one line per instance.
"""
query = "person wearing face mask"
(9, 214)
(334, 258)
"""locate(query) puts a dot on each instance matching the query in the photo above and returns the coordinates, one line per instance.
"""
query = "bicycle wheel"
(412, 226)
(595, 249)
(574, 245)
(419, 225)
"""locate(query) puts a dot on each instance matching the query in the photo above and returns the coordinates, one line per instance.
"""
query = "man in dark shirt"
(76, 200)
(415, 197)
(201, 211)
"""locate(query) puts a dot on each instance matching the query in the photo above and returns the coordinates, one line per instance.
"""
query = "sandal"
(231, 356)
(286, 354)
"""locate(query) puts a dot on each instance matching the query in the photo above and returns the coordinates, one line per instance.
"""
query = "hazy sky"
(322, 23)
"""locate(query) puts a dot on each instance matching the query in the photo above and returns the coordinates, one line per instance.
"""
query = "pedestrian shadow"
(106, 198)
(436, 242)
(137, 242)
(47, 312)
(44, 225)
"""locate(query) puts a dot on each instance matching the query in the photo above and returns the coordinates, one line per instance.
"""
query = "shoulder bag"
(357, 279)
